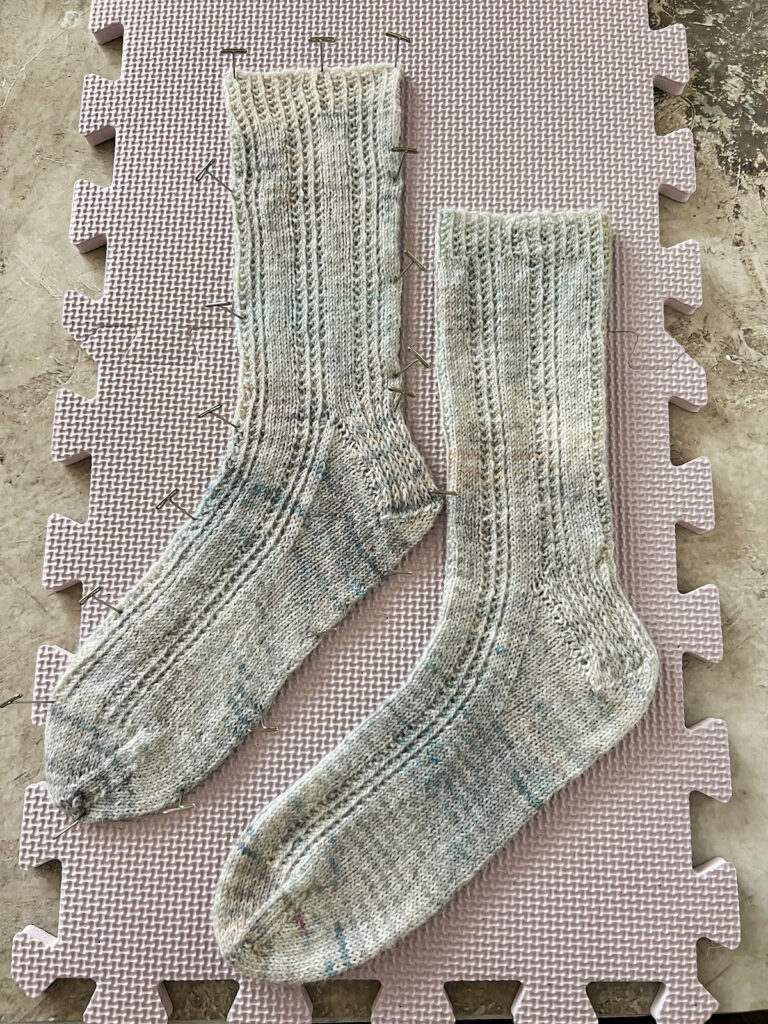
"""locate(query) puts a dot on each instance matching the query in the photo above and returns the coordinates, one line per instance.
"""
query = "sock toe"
(87, 778)
(239, 928)
(255, 919)
(72, 760)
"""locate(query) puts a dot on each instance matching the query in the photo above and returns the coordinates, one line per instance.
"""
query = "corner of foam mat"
(99, 121)
(34, 960)
(668, 51)
(263, 1002)
(108, 18)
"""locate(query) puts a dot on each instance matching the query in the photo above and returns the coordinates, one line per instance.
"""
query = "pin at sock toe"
(84, 772)
(322, 490)
(538, 664)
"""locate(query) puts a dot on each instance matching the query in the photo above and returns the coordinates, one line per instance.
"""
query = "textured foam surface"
(511, 108)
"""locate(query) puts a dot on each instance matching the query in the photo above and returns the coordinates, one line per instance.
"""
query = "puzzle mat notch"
(600, 885)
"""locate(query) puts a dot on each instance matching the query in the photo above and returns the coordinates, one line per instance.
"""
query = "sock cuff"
(316, 201)
(498, 268)
(463, 235)
(521, 305)
(264, 99)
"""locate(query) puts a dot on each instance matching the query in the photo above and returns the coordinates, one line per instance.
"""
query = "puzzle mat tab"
(511, 107)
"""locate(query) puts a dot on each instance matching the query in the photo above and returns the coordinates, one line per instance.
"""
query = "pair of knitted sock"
(538, 664)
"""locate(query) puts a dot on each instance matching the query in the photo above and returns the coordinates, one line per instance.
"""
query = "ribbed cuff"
(316, 201)
(462, 234)
(285, 97)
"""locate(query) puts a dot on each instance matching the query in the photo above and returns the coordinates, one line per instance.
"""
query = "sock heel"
(393, 467)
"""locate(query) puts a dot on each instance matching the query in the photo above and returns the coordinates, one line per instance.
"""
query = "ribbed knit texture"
(322, 490)
(538, 664)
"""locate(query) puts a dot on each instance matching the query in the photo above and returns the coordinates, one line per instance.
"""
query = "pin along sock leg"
(538, 664)
(322, 490)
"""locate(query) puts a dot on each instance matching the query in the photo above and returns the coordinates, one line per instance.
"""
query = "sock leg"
(322, 490)
(538, 664)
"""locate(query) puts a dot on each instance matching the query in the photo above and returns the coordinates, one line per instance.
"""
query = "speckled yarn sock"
(322, 490)
(538, 664)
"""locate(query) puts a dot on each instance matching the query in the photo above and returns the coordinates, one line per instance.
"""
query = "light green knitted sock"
(538, 664)
(322, 490)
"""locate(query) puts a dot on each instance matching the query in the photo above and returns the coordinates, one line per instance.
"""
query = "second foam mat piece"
(541, 106)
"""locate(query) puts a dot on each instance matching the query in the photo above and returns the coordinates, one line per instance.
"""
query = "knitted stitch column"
(322, 490)
(538, 664)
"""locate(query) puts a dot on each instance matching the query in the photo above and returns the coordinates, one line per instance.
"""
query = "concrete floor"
(45, 50)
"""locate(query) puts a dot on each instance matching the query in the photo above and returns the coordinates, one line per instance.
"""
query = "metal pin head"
(228, 306)
(88, 596)
(17, 699)
(94, 594)
(399, 38)
(418, 356)
(235, 51)
(207, 171)
(201, 174)
(413, 261)
(322, 40)
(404, 150)
(180, 806)
(170, 499)
(214, 411)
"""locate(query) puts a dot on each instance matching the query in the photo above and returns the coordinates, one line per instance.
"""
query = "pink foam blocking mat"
(511, 107)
